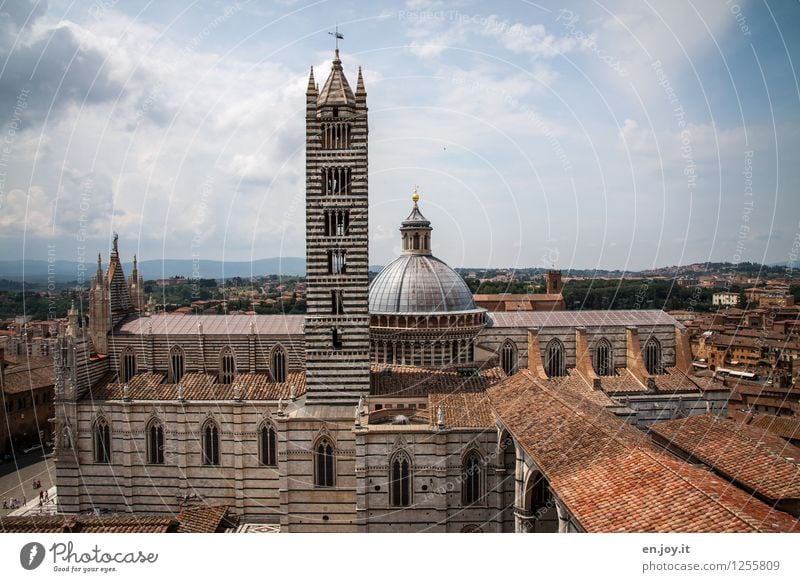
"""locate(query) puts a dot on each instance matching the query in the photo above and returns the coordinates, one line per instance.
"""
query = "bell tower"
(337, 246)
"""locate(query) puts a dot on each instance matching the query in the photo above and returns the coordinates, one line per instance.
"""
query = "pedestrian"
(24, 500)
(41, 497)
(47, 496)
(5, 504)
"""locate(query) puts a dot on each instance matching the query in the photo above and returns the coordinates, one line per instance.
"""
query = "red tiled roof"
(462, 409)
(199, 386)
(87, 524)
(31, 374)
(784, 426)
(611, 477)
(408, 381)
(204, 519)
(754, 457)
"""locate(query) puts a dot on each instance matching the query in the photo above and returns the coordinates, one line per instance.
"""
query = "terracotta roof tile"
(611, 477)
(29, 375)
(204, 519)
(87, 524)
(753, 456)
(462, 409)
(407, 381)
(784, 426)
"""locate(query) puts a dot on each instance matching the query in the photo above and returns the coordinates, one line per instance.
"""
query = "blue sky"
(619, 134)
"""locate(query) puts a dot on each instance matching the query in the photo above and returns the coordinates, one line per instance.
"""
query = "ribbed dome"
(419, 284)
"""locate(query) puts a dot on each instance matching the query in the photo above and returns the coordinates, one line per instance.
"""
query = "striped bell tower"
(337, 245)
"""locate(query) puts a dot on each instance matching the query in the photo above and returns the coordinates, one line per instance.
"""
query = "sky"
(621, 134)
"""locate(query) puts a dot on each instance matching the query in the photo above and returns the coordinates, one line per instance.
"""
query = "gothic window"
(155, 443)
(604, 358)
(508, 357)
(336, 181)
(210, 443)
(400, 481)
(337, 222)
(324, 464)
(269, 446)
(652, 356)
(128, 365)
(335, 136)
(472, 479)
(279, 364)
(176, 364)
(554, 363)
(337, 261)
(337, 305)
(102, 441)
(227, 366)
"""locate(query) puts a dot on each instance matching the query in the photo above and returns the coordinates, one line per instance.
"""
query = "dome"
(419, 284)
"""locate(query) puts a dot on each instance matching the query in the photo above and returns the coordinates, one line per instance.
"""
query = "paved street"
(18, 483)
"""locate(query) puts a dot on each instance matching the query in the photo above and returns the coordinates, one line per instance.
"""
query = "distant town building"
(725, 298)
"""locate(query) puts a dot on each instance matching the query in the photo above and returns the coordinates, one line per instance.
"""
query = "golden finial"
(415, 195)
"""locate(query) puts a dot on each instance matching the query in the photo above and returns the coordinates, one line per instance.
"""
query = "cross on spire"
(337, 35)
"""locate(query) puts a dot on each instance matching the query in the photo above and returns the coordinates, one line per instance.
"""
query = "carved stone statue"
(180, 391)
(292, 392)
(126, 391)
(358, 414)
(237, 392)
(361, 403)
(280, 405)
(440, 416)
(66, 438)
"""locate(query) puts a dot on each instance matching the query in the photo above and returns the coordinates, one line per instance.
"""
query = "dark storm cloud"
(53, 69)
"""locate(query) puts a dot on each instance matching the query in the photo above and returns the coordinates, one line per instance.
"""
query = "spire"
(360, 90)
(336, 92)
(99, 274)
(135, 264)
(312, 85)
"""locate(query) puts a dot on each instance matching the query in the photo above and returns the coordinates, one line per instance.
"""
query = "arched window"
(554, 362)
(269, 446)
(227, 366)
(210, 443)
(400, 481)
(279, 364)
(102, 441)
(324, 463)
(176, 364)
(604, 358)
(508, 357)
(472, 478)
(652, 356)
(127, 365)
(155, 442)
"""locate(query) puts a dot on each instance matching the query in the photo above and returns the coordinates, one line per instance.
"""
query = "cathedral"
(395, 406)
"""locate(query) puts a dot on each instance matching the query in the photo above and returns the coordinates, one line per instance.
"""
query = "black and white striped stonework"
(337, 229)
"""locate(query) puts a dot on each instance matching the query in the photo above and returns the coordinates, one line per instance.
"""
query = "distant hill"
(64, 271)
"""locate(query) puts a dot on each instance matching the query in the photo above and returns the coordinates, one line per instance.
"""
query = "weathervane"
(337, 35)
